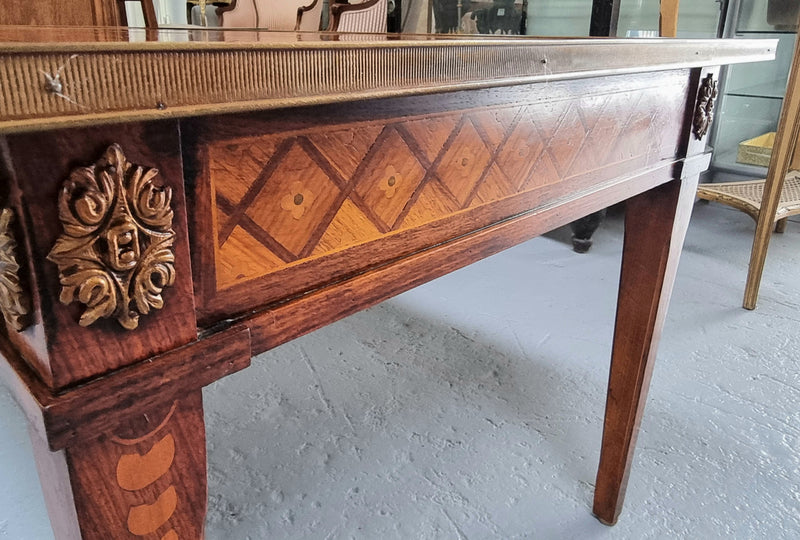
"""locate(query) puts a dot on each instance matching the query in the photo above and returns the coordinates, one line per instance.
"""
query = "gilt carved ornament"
(704, 110)
(115, 255)
(14, 302)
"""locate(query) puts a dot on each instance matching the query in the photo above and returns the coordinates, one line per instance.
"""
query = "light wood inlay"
(147, 518)
(137, 471)
(284, 199)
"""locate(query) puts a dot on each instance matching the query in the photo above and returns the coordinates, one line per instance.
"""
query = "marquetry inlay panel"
(287, 198)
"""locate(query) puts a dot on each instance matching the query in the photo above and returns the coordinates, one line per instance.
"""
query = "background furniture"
(148, 11)
(747, 196)
(668, 18)
(364, 16)
(772, 200)
(271, 14)
(751, 96)
(62, 13)
(505, 17)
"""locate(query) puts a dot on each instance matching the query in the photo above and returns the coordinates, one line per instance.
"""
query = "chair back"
(366, 16)
(238, 14)
(311, 17)
(272, 14)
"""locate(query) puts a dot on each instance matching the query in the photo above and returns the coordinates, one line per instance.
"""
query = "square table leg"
(144, 479)
(655, 226)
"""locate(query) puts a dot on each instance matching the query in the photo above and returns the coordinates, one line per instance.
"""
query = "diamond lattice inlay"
(288, 199)
(464, 163)
(390, 179)
(296, 199)
(521, 151)
(572, 131)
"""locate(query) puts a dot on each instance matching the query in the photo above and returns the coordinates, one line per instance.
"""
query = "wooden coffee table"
(174, 205)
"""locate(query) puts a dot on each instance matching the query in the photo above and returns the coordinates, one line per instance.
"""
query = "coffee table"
(176, 201)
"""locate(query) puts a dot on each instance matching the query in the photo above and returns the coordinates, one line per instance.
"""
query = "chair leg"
(758, 256)
(584, 228)
(149, 11)
(780, 226)
(786, 140)
(668, 21)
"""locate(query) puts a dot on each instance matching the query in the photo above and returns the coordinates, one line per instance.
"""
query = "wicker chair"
(272, 14)
(772, 200)
(747, 197)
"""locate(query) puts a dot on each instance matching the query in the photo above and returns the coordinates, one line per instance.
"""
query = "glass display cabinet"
(752, 94)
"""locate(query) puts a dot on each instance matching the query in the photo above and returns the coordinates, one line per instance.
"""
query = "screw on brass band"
(704, 111)
(14, 301)
(115, 255)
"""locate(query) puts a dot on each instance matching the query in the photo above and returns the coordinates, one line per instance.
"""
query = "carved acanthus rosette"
(14, 302)
(115, 255)
(704, 111)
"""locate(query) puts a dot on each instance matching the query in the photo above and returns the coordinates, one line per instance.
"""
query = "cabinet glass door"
(752, 94)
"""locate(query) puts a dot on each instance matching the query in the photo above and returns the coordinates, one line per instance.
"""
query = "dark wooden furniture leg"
(605, 18)
(655, 226)
(584, 228)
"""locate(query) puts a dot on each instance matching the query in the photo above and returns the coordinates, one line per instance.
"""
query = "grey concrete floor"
(471, 408)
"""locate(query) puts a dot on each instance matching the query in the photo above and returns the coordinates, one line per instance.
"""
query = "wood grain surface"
(299, 316)
(655, 226)
(300, 216)
(60, 12)
(85, 412)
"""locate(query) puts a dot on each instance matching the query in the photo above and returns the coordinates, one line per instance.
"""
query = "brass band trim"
(70, 86)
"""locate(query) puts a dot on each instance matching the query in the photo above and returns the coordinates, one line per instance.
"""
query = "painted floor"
(471, 407)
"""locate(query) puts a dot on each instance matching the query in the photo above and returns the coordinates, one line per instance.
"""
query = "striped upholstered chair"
(272, 14)
(358, 16)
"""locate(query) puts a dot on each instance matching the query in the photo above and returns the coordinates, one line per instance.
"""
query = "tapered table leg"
(655, 227)
(144, 479)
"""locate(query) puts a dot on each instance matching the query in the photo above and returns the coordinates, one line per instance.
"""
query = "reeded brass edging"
(57, 88)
